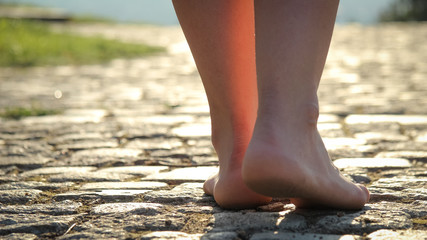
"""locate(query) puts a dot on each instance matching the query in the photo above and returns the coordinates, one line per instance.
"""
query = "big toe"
(365, 192)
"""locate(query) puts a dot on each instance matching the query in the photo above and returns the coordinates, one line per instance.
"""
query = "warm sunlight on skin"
(286, 156)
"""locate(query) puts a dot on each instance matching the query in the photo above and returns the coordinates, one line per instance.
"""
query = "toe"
(365, 191)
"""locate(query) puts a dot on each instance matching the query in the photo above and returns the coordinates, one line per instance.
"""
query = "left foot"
(229, 191)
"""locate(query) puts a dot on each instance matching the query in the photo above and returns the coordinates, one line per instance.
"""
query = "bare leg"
(221, 37)
(286, 156)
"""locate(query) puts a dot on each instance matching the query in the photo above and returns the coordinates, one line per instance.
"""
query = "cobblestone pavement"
(128, 155)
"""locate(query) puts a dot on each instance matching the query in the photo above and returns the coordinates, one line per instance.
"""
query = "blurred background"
(161, 12)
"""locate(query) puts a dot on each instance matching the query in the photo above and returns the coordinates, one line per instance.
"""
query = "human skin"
(273, 150)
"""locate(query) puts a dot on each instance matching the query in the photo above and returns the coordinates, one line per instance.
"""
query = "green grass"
(26, 44)
(20, 112)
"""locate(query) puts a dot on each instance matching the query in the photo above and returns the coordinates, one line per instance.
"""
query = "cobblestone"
(127, 157)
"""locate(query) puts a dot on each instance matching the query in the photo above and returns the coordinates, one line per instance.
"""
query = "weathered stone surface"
(23, 162)
(36, 185)
(128, 208)
(411, 155)
(401, 119)
(363, 221)
(120, 224)
(87, 144)
(415, 209)
(375, 137)
(59, 208)
(134, 170)
(396, 188)
(183, 193)
(398, 234)
(154, 144)
(400, 183)
(18, 236)
(172, 235)
(89, 177)
(193, 130)
(18, 196)
(196, 174)
(57, 170)
(383, 163)
(123, 185)
(301, 236)
(105, 195)
(231, 221)
(35, 223)
(103, 156)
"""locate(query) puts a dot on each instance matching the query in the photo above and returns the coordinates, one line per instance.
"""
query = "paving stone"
(35, 224)
(26, 149)
(401, 119)
(105, 195)
(193, 130)
(334, 143)
(220, 236)
(23, 162)
(404, 189)
(410, 155)
(194, 208)
(89, 177)
(172, 235)
(402, 146)
(87, 144)
(328, 118)
(161, 119)
(301, 236)
(386, 128)
(134, 170)
(78, 136)
(58, 208)
(69, 116)
(36, 185)
(18, 236)
(123, 185)
(195, 174)
(130, 131)
(125, 224)
(330, 130)
(183, 193)
(103, 156)
(384, 234)
(400, 183)
(416, 209)
(128, 208)
(375, 137)
(57, 170)
(205, 160)
(382, 163)
(362, 222)
(18, 196)
(151, 144)
(103, 234)
(232, 221)
(384, 194)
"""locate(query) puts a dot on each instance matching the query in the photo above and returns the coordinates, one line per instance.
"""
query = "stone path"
(128, 155)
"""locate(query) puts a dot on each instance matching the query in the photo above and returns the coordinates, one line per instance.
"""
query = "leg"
(221, 37)
(286, 156)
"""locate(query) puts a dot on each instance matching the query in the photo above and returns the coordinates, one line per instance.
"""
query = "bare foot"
(291, 161)
(228, 188)
(230, 192)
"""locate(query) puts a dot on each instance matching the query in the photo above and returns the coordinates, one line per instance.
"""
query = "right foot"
(292, 162)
